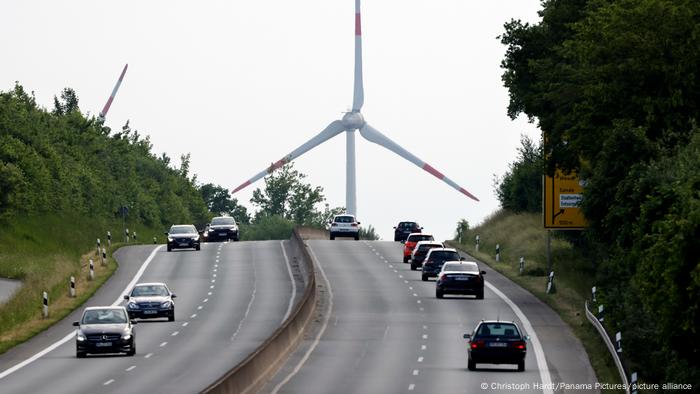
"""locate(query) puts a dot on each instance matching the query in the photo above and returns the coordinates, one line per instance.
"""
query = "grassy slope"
(523, 235)
(44, 252)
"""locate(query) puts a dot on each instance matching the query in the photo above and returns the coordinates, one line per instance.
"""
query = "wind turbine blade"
(104, 111)
(336, 127)
(358, 94)
(371, 134)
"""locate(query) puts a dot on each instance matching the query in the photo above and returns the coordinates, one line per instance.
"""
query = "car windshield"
(149, 290)
(426, 247)
(220, 221)
(420, 237)
(507, 330)
(104, 316)
(461, 267)
(344, 219)
(408, 225)
(443, 256)
(182, 230)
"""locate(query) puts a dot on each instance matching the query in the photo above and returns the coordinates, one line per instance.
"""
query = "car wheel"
(197, 247)
(332, 237)
(438, 293)
(80, 354)
(521, 366)
(357, 237)
(480, 295)
(171, 317)
(132, 352)
(471, 365)
(424, 278)
(169, 248)
(413, 267)
(405, 259)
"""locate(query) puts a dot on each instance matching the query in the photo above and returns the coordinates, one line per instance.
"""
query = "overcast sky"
(240, 84)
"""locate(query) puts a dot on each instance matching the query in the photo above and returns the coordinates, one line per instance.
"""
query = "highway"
(230, 298)
(387, 333)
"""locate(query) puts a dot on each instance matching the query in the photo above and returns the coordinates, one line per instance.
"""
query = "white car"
(345, 225)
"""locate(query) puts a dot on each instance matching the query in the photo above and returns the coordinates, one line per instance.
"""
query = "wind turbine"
(108, 104)
(350, 122)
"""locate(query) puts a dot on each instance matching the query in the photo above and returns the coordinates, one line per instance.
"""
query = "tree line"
(614, 87)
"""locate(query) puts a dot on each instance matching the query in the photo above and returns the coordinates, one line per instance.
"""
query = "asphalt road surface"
(230, 298)
(383, 331)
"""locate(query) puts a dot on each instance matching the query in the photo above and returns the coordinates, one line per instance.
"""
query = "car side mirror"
(462, 258)
(483, 272)
(394, 227)
(172, 295)
(421, 228)
(166, 233)
(76, 324)
(359, 223)
(467, 336)
(527, 337)
(134, 322)
(126, 296)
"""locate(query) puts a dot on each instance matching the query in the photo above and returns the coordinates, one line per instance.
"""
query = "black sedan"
(402, 230)
(222, 228)
(460, 277)
(183, 236)
(150, 300)
(434, 260)
(496, 342)
(105, 329)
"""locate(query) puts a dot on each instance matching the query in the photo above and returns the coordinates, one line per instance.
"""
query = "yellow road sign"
(562, 196)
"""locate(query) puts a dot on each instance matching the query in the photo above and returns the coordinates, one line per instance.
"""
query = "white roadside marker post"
(618, 340)
(45, 308)
(601, 312)
(109, 239)
(593, 291)
(92, 270)
(126, 233)
(72, 287)
(104, 256)
(550, 283)
(498, 253)
(98, 246)
(477, 243)
(134, 236)
(522, 265)
(154, 240)
(633, 383)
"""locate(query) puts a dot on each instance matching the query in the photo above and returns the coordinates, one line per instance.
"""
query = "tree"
(219, 202)
(68, 103)
(520, 189)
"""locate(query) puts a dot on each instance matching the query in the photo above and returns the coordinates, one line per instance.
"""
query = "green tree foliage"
(61, 161)
(219, 202)
(614, 86)
(369, 233)
(520, 189)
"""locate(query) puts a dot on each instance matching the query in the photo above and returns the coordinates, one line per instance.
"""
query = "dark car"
(496, 342)
(460, 277)
(436, 257)
(150, 300)
(222, 228)
(402, 230)
(183, 236)
(105, 329)
(421, 250)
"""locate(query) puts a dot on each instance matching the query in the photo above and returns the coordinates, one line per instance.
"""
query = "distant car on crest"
(403, 229)
(222, 228)
(345, 226)
(183, 236)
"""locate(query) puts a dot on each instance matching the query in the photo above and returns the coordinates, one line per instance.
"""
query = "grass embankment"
(44, 252)
(523, 235)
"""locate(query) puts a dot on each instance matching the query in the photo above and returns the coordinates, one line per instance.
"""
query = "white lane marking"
(411, 387)
(420, 359)
(211, 287)
(70, 336)
(539, 353)
(405, 281)
(425, 336)
(213, 280)
(148, 355)
(185, 324)
(425, 327)
(410, 287)
(209, 293)
(415, 372)
(396, 271)
(401, 276)
(417, 301)
(213, 275)
(250, 304)
(163, 344)
(199, 308)
(294, 284)
(423, 347)
(391, 266)
(130, 368)
(206, 300)
(415, 295)
(193, 316)
(421, 309)
(107, 383)
(216, 265)
(175, 333)
(320, 332)
(215, 270)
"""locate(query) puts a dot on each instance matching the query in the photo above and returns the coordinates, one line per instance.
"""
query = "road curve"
(387, 333)
(230, 298)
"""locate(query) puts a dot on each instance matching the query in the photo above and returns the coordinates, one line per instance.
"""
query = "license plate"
(222, 234)
(463, 279)
(103, 344)
(498, 344)
(184, 243)
(150, 312)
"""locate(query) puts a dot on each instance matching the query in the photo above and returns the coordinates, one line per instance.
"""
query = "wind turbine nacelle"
(353, 121)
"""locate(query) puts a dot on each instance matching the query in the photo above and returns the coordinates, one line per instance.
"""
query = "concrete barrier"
(251, 374)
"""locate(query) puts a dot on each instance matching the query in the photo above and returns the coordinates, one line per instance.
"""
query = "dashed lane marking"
(107, 383)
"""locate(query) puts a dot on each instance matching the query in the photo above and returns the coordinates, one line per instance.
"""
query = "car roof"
(344, 214)
(182, 225)
(92, 308)
(428, 234)
(460, 262)
(442, 250)
(151, 284)
(429, 242)
(407, 222)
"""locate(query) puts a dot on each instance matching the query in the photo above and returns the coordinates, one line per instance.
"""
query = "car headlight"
(170, 239)
(80, 336)
(126, 336)
(132, 305)
(165, 304)
(195, 237)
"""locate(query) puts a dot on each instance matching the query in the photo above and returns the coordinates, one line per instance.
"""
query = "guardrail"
(253, 372)
(611, 348)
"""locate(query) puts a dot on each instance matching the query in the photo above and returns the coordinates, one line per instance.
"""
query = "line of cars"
(491, 341)
(186, 236)
(110, 329)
